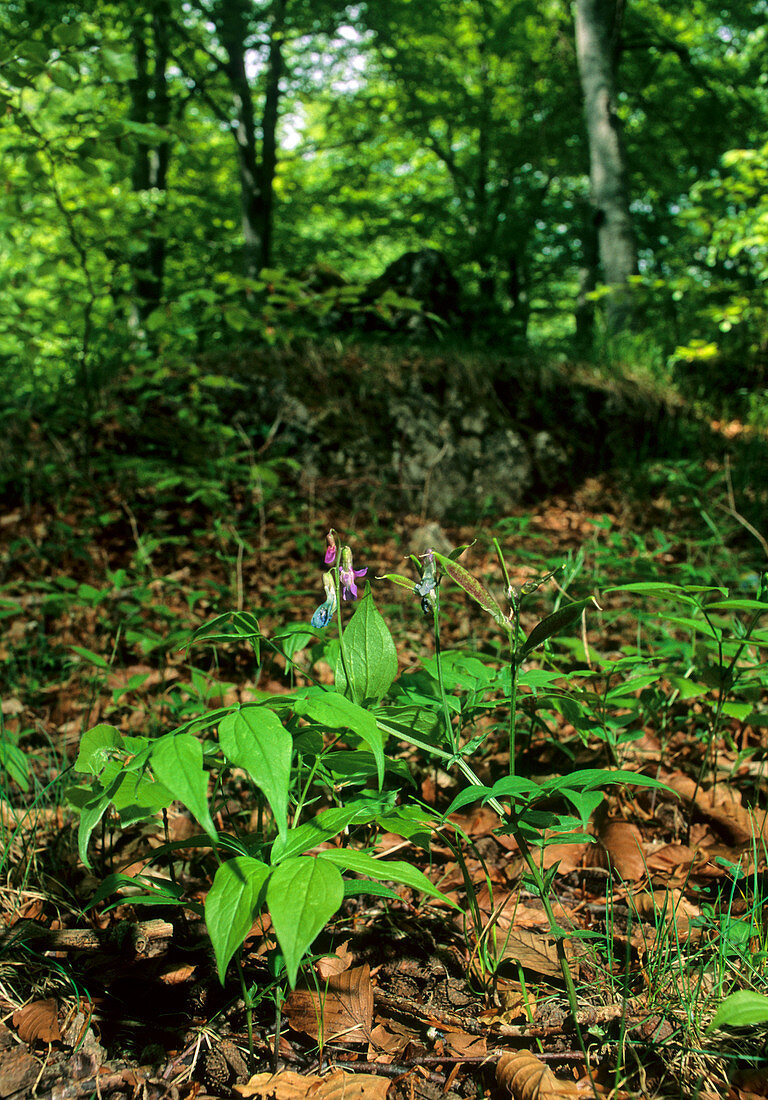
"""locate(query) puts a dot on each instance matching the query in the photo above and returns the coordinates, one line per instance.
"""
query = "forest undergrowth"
(531, 789)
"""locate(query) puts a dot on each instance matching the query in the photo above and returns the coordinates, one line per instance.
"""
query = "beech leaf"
(526, 1077)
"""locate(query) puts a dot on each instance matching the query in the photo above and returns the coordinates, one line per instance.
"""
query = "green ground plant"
(317, 744)
(696, 666)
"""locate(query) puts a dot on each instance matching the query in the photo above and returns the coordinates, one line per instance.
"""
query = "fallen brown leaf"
(337, 963)
(177, 975)
(286, 1085)
(668, 908)
(622, 846)
(341, 1008)
(38, 1022)
(341, 1085)
(533, 950)
(464, 1045)
(392, 1038)
(569, 857)
(722, 805)
(525, 1077)
(670, 857)
(338, 1085)
(514, 1004)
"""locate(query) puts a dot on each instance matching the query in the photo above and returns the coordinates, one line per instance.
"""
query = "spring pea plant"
(326, 743)
(294, 749)
(524, 806)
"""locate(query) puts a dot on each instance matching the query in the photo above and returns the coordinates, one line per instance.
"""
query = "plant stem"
(337, 586)
(514, 600)
(248, 1009)
(557, 932)
(513, 669)
(450, 732)
(727, 679)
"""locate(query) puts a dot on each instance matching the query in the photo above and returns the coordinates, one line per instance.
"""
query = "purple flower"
(348, 575)
(330, 550)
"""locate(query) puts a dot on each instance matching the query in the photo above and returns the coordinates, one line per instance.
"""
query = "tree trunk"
(517, 283)
(588, 277)
(269, 129)
(150, 105)
(232, 24)
(257, 172)
(596, 23)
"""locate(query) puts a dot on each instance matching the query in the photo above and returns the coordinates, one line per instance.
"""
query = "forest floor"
(99, 595)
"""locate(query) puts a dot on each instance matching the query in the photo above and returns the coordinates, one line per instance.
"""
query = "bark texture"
(256, 142)
(151, 105)
(597, 28)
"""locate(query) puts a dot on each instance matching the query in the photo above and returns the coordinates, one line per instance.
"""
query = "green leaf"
(553, 624)
(370, 654)
(411, 822)
(739, 605)
(255, 739)
(355, 887)
(334, 711)
(14, 761)
(93, 805)
(741, 1009)
(90, 816)
(585, 802)
(633, 684)
(700, 626)
(119, 66)
(407, 721)
(465, 797)
(158, 892)
(293, 639)
(359, 765)
(89, 655)
(232, 904)
(688, 689)
(535, 677)
(177, 761)
(473, 587)
(239, 625)
(140, 796)
(392, 870)
(658, 588)
(590, 779)
(96, 746)
(513, 786)
(302, 895)
(400, 580)
(67, 34)
(740, 711)
(318, 830)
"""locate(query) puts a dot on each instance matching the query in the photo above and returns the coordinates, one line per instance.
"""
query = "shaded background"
(511, 236)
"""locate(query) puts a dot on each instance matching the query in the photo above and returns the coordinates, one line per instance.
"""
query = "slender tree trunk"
(269, 129)
(596, 23)
(517, 283)
(150, 104)
(588, 279)
(232, 24)
(257, 170)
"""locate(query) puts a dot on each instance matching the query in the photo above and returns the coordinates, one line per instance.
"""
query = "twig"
(733, 511)
(146, 938)
(385, 1069)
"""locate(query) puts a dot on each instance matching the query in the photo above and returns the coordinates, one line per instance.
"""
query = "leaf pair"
(302, 893)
